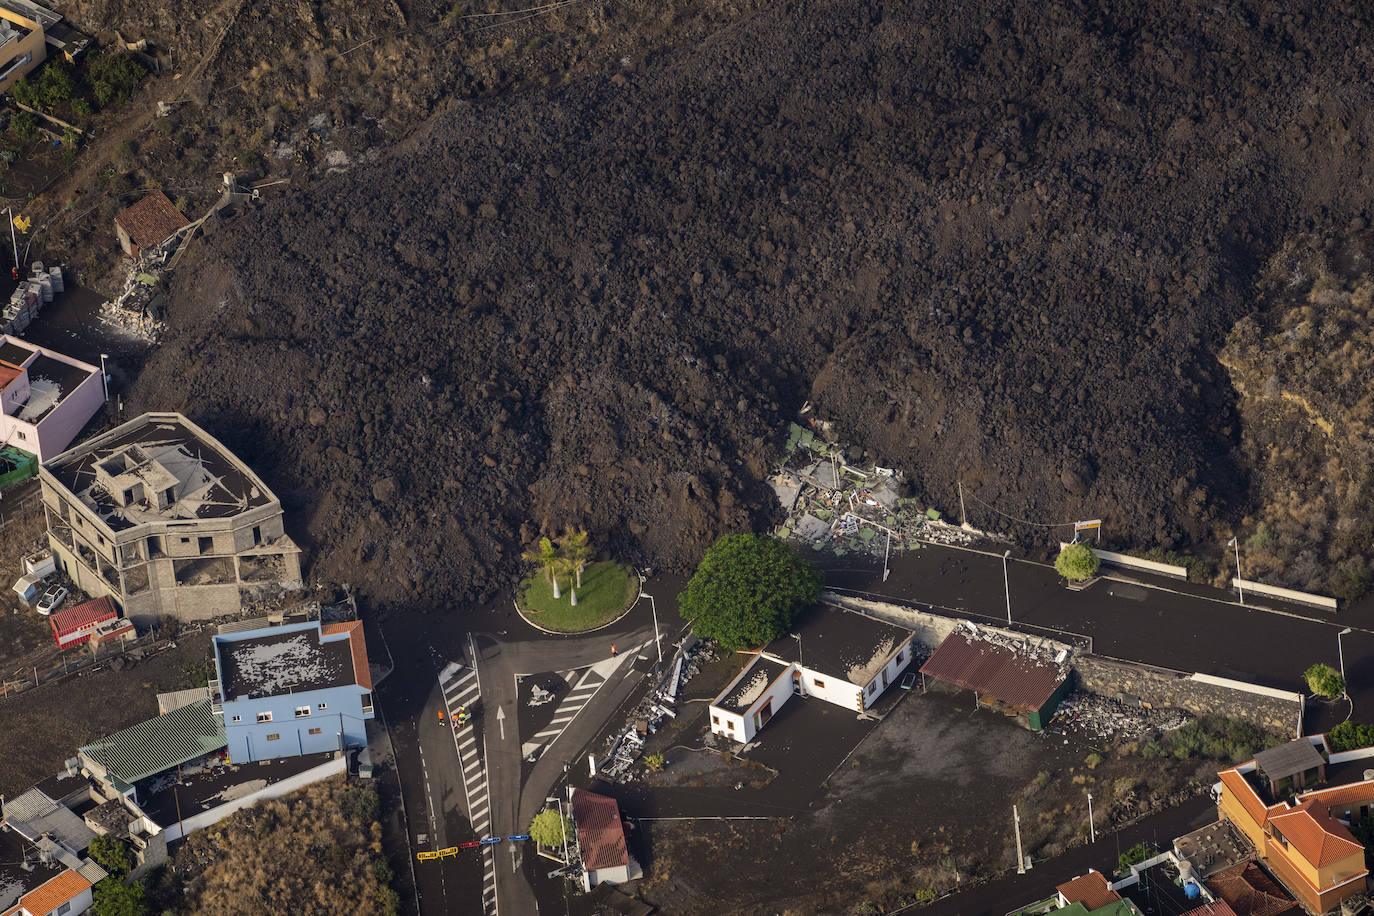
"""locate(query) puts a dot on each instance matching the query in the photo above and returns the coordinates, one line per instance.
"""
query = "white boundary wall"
(1247, 687)
(1287, 594)
(205, 818)
(1360, 753)
(1150, 566)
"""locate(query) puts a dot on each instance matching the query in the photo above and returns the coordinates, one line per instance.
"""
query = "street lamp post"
(1006, 582)
(1092, 830)
(104, 376)
(1235, 542)
(654, 606)
(14, 241)
(886, 553)
(1340, 654)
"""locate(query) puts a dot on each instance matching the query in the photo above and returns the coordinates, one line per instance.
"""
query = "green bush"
(747, 590)
(112, 76)
(56, 83)
(1217, 737)
(1352, 579)
(1198, 570)
(24, 125)
(83, 108)
(1324, 681)
(1349, 736)
(1077, 562)
(112, 854)
(25, 92)
(1137, 853)
(360, 805)
(115, 899)
(549, 829)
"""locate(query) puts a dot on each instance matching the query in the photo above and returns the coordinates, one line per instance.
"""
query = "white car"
(52, 599)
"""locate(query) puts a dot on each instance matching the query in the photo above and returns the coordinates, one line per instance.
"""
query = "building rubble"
(623, 748)
(833, 505)
(1095, 719)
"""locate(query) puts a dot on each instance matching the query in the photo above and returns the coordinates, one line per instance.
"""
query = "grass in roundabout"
(607, 590)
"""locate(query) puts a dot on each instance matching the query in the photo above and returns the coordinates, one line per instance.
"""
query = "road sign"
(489, 840)
(517, 837)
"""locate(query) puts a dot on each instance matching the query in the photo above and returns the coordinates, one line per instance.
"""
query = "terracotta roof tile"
(1220, 908)
(1091, 890)
(152, 220)
(82, 615)
(1315, 835)
(1245, 794)
(1361, 792)
(362, 674)
(50, 896)
(599, 832)
(994, 670)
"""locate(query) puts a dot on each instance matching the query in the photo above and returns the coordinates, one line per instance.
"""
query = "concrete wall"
(64, 422)
(1287, 594)
(206, 818)
(32, 44)
(831, 689)
(888, 675)
(1201, 695)
(927, 629)
(780, 691)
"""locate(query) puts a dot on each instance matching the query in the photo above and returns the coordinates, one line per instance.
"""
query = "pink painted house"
(45, 398)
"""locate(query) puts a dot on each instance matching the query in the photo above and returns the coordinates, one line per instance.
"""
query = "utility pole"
(1340, 653)
(963, 516)
(1020, 859)
(1006, 582)
(1092, 829)
(1235, 542)
(887, 553)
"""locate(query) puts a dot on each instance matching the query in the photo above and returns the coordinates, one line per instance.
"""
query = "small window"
(264, 717)
(302, 712)
(237, 719)
(818, 683)
(715, 720)
(900, 656)
(316, 731)
(274, 737)
(872, 687)
(64, 909)
(206, 545)
(22, 435)
(322, 707)
(730, 724)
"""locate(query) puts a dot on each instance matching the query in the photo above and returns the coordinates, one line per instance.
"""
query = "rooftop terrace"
(158, 468)
(282, 662)
(839, 643)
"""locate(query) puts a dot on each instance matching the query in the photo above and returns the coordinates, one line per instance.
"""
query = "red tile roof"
(152, 220)
(362, 674)
(8, 373)
(1220, 908)
(83, 615)
(1245, 793)
(1091, 890)
(599, 832)
(995, 670)
(1315, 835)
(1357, 792)
(47, 897)
(1251, 892)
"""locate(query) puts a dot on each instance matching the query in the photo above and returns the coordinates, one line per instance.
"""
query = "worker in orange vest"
(441, 718)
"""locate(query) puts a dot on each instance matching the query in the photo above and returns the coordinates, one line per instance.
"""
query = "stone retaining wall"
(1134, 682)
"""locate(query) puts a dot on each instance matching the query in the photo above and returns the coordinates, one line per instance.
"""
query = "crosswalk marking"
(460, 688)
(571, 705)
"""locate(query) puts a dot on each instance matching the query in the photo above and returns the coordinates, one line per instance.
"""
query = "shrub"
(1042, 778)
(25, 92)
(549, 829)
(1077, 562)
(1349, 736)
(1218, 737)
(83, 108)
(1137, 853)
(112, 76)
(55, 83)
(360, 805)
(1324, 681)
(115, 899)
(24, 125)
(112, 854)
(654, 762)
(1093, 761)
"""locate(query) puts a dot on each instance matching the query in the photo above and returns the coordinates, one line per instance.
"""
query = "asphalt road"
(427, 761)
(1176, 625)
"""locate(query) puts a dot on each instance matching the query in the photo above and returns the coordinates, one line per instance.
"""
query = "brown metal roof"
(83, 615)
(599, 832)
(152, 220)
(994, 670)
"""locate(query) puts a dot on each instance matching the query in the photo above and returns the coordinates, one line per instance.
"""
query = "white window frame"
(265, 716)
(323, 706)
(302, 711)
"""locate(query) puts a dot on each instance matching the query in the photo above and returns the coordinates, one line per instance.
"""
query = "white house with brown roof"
(832, 653)
(601, 840)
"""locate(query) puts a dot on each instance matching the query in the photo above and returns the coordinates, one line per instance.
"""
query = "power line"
(1022, 521)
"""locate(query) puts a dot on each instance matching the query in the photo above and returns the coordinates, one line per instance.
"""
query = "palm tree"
(575, 548)
(546, 555)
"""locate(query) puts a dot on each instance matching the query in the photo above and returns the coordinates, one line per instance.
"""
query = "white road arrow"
(501, 721)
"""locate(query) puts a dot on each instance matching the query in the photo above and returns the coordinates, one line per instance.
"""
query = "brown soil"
(1001, 246)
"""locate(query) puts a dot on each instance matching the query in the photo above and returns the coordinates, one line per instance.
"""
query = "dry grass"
(315, 851)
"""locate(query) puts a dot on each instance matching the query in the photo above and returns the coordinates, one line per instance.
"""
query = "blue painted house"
(302, 688)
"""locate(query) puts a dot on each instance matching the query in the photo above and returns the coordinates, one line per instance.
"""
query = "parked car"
(52, 599)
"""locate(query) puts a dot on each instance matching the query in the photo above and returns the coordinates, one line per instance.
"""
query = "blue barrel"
(1191, 890)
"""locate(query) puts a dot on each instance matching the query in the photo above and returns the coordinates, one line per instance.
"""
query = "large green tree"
(550, 828)
(1077, 562)
(115, 899)
(112, 854)
(747, 590)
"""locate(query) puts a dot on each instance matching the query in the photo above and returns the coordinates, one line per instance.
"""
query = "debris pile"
(833, 505)
(624, 747)
(138, 307)
(1095, 718)
(30, 296)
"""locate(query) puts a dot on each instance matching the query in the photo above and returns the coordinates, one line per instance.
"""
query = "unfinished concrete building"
(164, 519)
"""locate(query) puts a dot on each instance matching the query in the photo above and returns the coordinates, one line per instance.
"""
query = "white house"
(832, 653)
(601, 840)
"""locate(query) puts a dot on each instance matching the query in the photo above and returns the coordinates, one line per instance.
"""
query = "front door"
(766, 712)
(884, 678)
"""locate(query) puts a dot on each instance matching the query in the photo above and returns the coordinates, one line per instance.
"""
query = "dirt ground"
(929, 792)
(41, 728)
